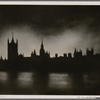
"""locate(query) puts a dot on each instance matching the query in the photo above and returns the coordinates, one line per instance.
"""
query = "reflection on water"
(25, 79)
(91, 80)
(51, 83)
(3, 76)
(59, 81)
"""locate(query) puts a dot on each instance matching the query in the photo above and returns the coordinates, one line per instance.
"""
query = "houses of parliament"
(44, 63)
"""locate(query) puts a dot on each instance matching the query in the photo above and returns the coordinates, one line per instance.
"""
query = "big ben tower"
(12, 49)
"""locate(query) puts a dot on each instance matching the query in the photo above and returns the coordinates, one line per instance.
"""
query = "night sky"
(63, 28)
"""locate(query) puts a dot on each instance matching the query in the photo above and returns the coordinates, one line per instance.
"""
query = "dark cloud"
(51, 20)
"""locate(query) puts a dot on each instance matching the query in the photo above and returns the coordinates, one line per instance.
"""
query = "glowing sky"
(63, 28)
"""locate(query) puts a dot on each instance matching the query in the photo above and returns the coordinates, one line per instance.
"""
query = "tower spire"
(12, 37)
(42, 51)
(75, 50)
(42, 46)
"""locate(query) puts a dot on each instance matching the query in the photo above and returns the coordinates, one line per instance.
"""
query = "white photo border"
(49, 97)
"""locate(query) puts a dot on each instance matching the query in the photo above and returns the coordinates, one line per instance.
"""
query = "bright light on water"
(25, 79)
(59, 81)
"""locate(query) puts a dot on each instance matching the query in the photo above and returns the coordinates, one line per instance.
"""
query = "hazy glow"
(3, 76)
(60, 81)
(66, 42)
(25, 79)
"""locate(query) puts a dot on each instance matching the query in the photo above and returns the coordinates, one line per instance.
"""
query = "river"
(49, 84)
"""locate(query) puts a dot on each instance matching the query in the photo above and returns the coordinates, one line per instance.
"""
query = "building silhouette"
(43, 62)
(76, 65)
(12, 49)
(77, 53)
(90, 53)
(42, 51)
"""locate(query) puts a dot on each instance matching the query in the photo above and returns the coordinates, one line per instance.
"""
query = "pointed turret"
(75, 50)
(42, 45)
(34, 52)
(12, 37)
(17, 41)
(1, 58)
(90, 52)
(42, 51)
(8, 40)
